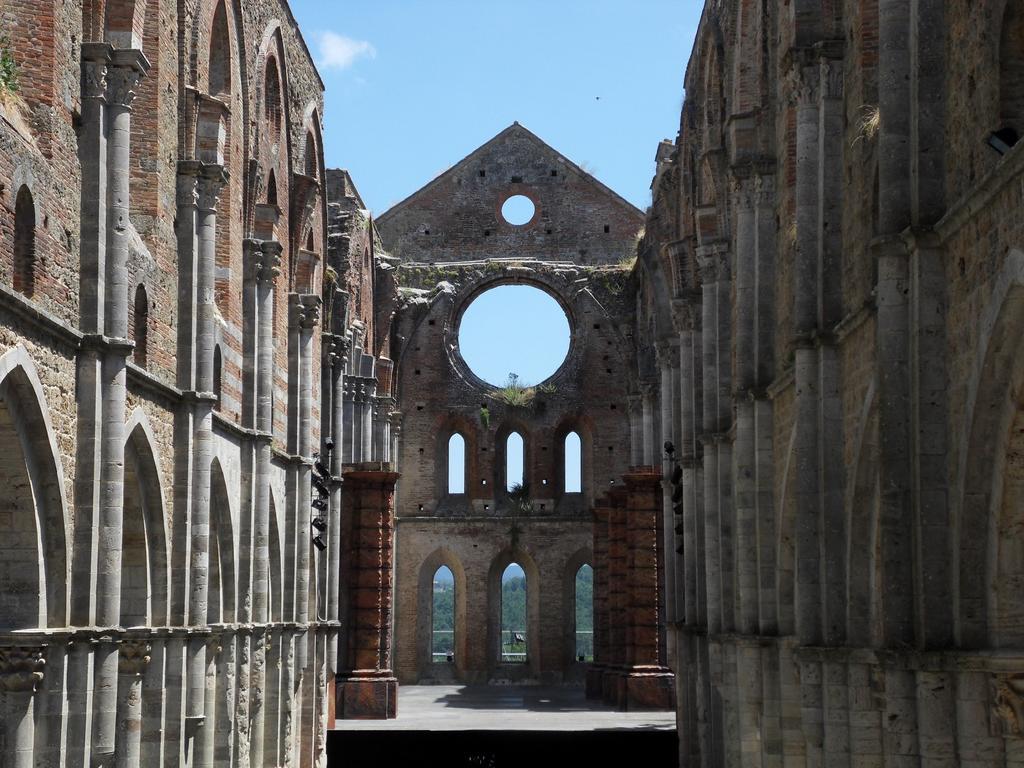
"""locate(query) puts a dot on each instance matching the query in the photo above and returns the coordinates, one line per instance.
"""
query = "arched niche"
(33, 510)
(145, 594)
(531, 667)
(221, 574)
(580, 559)
(426, 668)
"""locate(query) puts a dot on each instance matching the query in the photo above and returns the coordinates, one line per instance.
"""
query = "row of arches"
(513, 474)
(514, 628)
(34, 553)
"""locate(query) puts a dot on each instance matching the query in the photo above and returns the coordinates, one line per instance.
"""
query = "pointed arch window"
(218, 372)
(456, 463)
(583, 621)
(140, 327)
(25, 243)
(220, 53)
(311, 159)
(272, 101)
(514, 455)
(442, 617)
(573, 478)
(513, 615)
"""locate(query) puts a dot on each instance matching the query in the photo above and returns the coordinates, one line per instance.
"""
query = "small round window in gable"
(518, 210)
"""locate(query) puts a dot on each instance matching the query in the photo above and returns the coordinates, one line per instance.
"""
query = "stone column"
(264, 269)
(210, 181)
(348, 416)
(645, 682)
(92, 151)
(340, 362)
(127, 67)
(21, 672)
(595, 672)
(668, 366)
(367, 687)
(744, 449)
(308, 315)
(134, 658)
(617, 554)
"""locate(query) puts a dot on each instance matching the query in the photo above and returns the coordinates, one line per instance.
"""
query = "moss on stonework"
(8, 68)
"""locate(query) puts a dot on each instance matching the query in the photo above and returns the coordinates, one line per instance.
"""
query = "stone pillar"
(367, 687)
(134, 658)
(126, 69)
(339, 358)
(265, 267)
(307, 310)
(617, 574)
(211, 179)
(645, 682)
(595, 672)
(348, 453)
(668, 367)
(21, 672)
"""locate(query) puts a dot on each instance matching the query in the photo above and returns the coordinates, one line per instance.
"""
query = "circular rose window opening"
(514, 335)
(518, 210)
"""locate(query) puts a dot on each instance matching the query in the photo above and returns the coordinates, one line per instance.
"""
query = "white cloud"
(340, 52)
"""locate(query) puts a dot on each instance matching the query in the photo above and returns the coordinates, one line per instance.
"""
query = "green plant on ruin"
(519, 497)
(514, 393)
(547, 389)
(485, 416)
(8, 68)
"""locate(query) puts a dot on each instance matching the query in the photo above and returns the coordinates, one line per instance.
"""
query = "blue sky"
(413, 86)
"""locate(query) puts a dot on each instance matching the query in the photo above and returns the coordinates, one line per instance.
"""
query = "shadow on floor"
(501, 749)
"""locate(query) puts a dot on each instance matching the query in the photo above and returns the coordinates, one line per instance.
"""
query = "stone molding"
(22, 667)
(134, 656)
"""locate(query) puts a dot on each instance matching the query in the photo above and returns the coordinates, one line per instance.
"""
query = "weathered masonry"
(163, 218)
(452, 243)
(831, 281)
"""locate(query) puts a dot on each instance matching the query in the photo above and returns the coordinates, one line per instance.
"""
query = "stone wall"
(844, 250)
(168, 496)
(565, 253)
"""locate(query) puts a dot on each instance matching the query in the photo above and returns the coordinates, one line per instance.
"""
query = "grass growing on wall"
(8, 68)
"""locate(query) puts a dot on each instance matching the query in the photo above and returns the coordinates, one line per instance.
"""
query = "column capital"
(666, 352)
(211, 180)
(803, 82)
(134, 656)
(127, 68)
(188, 183)
(764, 188)
(95, 59)
(266, 259)
(307, 310)
(686, 315)
(713, 263)
(743, 189)
(22, 667)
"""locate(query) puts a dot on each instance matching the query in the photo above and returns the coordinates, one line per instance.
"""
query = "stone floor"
(506, 708)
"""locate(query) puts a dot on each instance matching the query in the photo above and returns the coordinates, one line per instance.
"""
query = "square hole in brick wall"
(607, 229)
(554, 172)
(482, 173)
(487, 233)
(517, 179)
(431, 322)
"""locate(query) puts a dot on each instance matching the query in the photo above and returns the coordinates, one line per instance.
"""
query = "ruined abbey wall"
(831, 275)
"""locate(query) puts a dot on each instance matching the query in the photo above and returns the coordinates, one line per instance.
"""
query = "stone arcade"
(822, 314)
